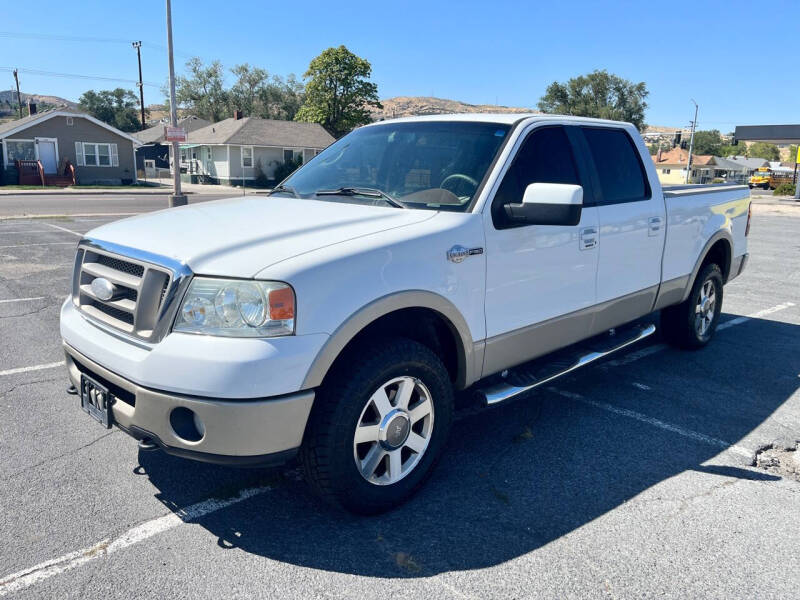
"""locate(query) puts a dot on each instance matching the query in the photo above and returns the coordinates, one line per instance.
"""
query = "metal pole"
(138, 46)
(19, 98)
(691, 144)
(177, 198)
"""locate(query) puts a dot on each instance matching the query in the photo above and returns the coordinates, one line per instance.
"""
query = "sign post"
(177, 198)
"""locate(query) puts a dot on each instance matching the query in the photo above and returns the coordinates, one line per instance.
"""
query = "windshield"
(429, 165)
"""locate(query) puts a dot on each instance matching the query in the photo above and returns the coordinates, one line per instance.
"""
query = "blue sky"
(477, 52)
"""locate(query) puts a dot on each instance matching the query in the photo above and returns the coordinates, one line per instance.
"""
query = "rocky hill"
(407, 106)
(9, 97)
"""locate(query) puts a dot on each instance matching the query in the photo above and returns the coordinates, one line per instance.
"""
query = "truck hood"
(239, 237)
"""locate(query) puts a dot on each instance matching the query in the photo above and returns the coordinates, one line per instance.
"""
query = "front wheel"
(692, 323)
(378, 426)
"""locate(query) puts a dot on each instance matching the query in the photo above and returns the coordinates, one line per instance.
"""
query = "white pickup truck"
(337, 318)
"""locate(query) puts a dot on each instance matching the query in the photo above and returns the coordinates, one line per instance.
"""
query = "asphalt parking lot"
(657, 473)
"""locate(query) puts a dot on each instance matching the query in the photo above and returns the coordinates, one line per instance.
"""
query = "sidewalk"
(158, 189)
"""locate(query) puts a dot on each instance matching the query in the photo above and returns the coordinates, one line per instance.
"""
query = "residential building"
(671, 168)
(749, 165)
(153, 154)
(100, 153)
(237, 150)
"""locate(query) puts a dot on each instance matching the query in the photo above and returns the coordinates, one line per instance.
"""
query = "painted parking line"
(63, 229)
(650, 350)
(29, 231)
(32, 368)
(22, 299)
(642, 418)
(26, 578)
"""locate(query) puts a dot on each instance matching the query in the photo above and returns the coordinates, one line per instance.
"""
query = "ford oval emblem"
(103, 289)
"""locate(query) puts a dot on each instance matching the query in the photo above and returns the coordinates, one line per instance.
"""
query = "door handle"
(588, 238)
(653, 226)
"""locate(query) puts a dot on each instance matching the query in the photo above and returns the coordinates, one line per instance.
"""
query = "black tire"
(327, 454)
(679, 323)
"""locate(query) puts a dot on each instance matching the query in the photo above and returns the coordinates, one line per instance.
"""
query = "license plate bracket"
(96, 401)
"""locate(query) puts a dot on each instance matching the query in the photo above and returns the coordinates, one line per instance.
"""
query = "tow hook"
(72, 390)
(147, 445)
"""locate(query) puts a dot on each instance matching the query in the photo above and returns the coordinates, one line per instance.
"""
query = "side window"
(545, 157)
(619, 168)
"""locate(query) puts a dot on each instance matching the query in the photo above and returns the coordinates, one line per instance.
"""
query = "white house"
(235, 150)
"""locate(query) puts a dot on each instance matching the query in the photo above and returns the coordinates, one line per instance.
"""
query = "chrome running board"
(543, 370)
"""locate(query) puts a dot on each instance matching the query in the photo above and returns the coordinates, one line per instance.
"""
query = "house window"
(208, 153)
(19, 150)
(665, 171)
(184, 155)
(70, 122)
(247, 156)
(288, 155)
(99, 155)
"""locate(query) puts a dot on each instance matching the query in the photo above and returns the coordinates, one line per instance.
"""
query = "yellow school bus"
(760, 178)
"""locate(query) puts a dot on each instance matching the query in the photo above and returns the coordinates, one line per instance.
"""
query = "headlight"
(237, 308)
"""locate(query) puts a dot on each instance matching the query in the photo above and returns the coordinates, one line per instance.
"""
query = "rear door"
(540, 279)
(632, 226)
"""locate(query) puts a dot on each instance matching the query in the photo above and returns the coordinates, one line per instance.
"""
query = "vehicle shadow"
(516, 477)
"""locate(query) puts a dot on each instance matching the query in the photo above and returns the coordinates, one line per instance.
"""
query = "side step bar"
(525, 381)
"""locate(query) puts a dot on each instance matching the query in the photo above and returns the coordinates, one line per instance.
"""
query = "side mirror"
(548, 204)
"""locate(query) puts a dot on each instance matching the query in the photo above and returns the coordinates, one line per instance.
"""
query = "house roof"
(11, 127)
(679, 156)
(750, 163)
(728, 164)
(155, 134)
(252, 131)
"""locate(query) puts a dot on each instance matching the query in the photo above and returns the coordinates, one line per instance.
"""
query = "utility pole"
(691, 143)
(177, 198)
(19, 98)
(138, 46)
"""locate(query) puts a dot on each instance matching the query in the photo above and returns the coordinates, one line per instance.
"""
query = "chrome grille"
(144, 292)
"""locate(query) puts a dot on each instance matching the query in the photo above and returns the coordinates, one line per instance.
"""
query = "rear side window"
(622, 177)
(544, 157)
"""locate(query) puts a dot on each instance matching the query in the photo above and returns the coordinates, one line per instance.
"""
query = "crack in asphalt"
(57, 457)
(30, 312)
(8, 391)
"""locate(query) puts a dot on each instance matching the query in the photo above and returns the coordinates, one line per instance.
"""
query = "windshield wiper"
(369, 192)
(285, 188)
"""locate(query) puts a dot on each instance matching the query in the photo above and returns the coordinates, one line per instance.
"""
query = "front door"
(47, 155)
(632, 227)
(540, 279)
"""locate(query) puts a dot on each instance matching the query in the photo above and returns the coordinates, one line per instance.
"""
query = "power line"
(79, 76)
(84, 39)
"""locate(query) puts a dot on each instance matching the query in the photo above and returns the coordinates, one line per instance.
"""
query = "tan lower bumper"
(245, 429)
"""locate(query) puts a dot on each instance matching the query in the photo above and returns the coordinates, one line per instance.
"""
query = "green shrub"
(785, 189)
(283, 170)
(261, 179)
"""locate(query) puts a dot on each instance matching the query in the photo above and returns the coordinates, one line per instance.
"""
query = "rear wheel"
(692, 323)
(378, 426)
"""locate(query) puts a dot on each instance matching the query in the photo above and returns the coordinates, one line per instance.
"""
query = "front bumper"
(252, 431)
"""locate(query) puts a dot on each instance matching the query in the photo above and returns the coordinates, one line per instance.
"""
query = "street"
(657, 472)
(113, 205)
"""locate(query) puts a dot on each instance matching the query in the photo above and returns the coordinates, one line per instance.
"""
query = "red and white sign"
(174, 134)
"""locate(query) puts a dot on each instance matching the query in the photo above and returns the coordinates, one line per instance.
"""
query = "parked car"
(336, 319)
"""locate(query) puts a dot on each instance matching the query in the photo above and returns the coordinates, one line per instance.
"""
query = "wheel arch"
(718, 249)
(420, 311)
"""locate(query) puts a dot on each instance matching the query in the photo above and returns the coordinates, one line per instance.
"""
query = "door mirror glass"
(548, 204)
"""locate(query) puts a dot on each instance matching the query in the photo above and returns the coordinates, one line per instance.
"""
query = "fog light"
(186, 424)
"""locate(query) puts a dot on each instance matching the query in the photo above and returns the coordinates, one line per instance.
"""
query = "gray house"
(100, 153)
(237, 150)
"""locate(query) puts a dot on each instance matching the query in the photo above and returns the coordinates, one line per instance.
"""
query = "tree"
(764, 150)
(119, 108)
(257, 94)
(727, 150)
(598, 94)
(707, 142)
(338, 92)
(792, 154)
(202, 92)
